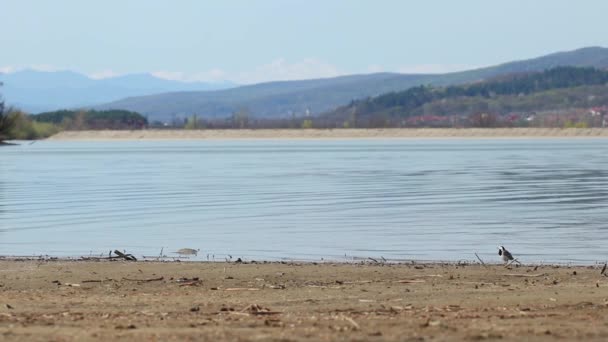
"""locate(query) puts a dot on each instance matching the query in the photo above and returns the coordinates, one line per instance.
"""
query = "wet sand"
(164, 301)
(394, 133)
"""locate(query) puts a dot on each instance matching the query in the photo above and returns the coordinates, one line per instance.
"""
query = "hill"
(37, 91)
(558, 89)
(296, 98)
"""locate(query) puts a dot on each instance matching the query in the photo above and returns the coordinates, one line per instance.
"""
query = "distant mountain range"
(283, 99)
(37, 91)
(162, 100)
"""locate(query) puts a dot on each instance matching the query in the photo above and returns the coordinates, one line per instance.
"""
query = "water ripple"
(547, 200)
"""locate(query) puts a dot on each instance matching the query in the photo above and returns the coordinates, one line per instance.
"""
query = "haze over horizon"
(250, 42)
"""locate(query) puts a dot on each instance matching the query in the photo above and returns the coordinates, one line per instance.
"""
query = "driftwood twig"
(242, 289)
(352, 322)
(144, 280)
(255, 309)
(525, 275)
(127, 257)
(481, 261)
(512, 262)
(410, 281)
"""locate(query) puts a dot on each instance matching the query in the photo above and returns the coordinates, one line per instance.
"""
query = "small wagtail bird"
(507, 257)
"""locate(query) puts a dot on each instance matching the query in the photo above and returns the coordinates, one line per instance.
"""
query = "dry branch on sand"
(410, 281)
(145, 280)
(255, 309)
(125, 256)
(483, 263)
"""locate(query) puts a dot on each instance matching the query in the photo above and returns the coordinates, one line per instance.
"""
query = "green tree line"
(93, 119)
(498, 96)
(17, 125)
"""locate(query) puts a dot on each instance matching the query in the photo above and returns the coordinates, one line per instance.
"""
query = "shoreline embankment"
(388, 133)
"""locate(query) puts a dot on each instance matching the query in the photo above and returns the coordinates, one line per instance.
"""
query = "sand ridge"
(388, 133)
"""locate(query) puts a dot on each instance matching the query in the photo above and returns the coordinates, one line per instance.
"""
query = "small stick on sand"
(241, 289)
(144, 280)
(481, 261)
(352, 322)
(358, 282)
(125, 256)
(511, 262)
(255, 309)
(410, 281)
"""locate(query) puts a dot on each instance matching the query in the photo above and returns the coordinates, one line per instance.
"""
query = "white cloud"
(44, 67)
(8, 69)
(106, 73)
(212, 75)
(277, 70)
(169, 75)
(36, 67)
(282, 70)
(433, 68)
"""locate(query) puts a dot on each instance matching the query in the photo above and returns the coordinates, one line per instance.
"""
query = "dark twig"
(478, 258)
(145, 280)
(525, 275)
(125, 256)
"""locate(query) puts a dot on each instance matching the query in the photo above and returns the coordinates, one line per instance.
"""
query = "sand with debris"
(164, 301)
(396, 133)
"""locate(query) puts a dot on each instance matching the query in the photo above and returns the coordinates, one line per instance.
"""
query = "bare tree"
(7, 121)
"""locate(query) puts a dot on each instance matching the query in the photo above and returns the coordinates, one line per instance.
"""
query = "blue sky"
(253, 41)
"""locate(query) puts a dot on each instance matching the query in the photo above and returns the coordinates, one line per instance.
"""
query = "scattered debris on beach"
(366, 300)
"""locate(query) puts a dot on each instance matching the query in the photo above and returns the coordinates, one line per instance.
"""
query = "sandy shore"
(332, 134)
(154, 301)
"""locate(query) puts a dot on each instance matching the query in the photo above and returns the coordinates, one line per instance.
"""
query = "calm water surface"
(544, 199)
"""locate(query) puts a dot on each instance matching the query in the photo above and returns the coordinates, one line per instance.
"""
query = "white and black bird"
(507, 257)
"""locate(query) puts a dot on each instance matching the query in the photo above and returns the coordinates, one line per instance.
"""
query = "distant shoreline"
(388, 133)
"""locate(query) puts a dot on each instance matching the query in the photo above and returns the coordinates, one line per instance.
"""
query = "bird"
(187, 251)
(507, 257)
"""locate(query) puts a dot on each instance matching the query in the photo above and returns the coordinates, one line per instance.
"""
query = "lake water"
(544, 199)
